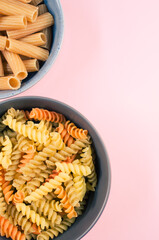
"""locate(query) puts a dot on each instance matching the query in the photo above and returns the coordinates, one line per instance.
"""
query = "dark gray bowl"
(55, 9)
(98, 199)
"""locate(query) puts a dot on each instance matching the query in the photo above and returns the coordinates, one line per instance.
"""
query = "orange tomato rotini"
(70, 159)
(75, 132)
(36, 229)
(9, 230)
(18, 197)
(26, 158)
(8, 193)
(43, 114)
(52, 175)
(69, 209)
(68, 140)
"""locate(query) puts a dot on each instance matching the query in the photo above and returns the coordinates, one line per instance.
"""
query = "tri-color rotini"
(47, 168)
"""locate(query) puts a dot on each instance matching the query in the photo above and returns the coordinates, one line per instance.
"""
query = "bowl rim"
(101, 142)
(33, 82)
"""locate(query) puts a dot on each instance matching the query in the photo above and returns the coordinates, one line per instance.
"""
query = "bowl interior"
(55, 9)
(97, 200)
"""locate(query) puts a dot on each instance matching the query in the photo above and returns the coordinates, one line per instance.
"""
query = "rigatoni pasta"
(26, 49)
(16, 64)
(46, 191)
(14, 7)
(37, 39)
(1, 67)
(13, 22)
(42, 22)
(22, 49)
(3, 40)
(32, 65)
(9, 82)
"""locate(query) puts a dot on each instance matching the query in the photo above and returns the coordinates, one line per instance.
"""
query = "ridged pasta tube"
(26, 130)
(47, 187)
(32, 215)
(74, 168)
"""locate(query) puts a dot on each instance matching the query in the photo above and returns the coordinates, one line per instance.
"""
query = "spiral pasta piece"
(62, 155)
(47, 187)
(44, 208)
(74, 168)
(18, 197)
(43, 114)
(69, 209)
(8, 193)
(68, 140)
(3, 204)
(9, 230)
(35, 182)
(74, 131)
(19, 115)
(17, 218)
(71, 192)
(32, 215)
(5, 155)
(87, 160)
(80, 187)
(26, 130)
(54, 232)
(29, 155)
(15, 158)
(52, 175)
(24, 143)
(20, 180)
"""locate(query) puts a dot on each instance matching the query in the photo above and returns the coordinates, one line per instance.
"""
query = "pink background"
(108, 69)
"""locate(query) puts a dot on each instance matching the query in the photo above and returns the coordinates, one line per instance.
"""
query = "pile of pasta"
(46, 172)
(25, 38)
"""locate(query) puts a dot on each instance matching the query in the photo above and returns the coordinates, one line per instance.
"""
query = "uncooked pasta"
(47, 169)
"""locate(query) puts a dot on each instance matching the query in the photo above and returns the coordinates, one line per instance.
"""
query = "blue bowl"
(98, 199)
(55, 9)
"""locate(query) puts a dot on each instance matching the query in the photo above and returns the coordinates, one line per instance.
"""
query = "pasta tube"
(16, 64)
(13, 7)
(9, 82)
(26, 49)
(42, 22)
(25, 1)
(13, 22)
(32, 65)
(37, 39)
(1, 67)
(36, 2)
(47, 31)
(2, 43)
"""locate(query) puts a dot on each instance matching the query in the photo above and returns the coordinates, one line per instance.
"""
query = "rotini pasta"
(68, 140)
(46, 171)
(47, 187)
(30, 214)
(74, 131)
(9, 230)
(69, 209)
(74, 168)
